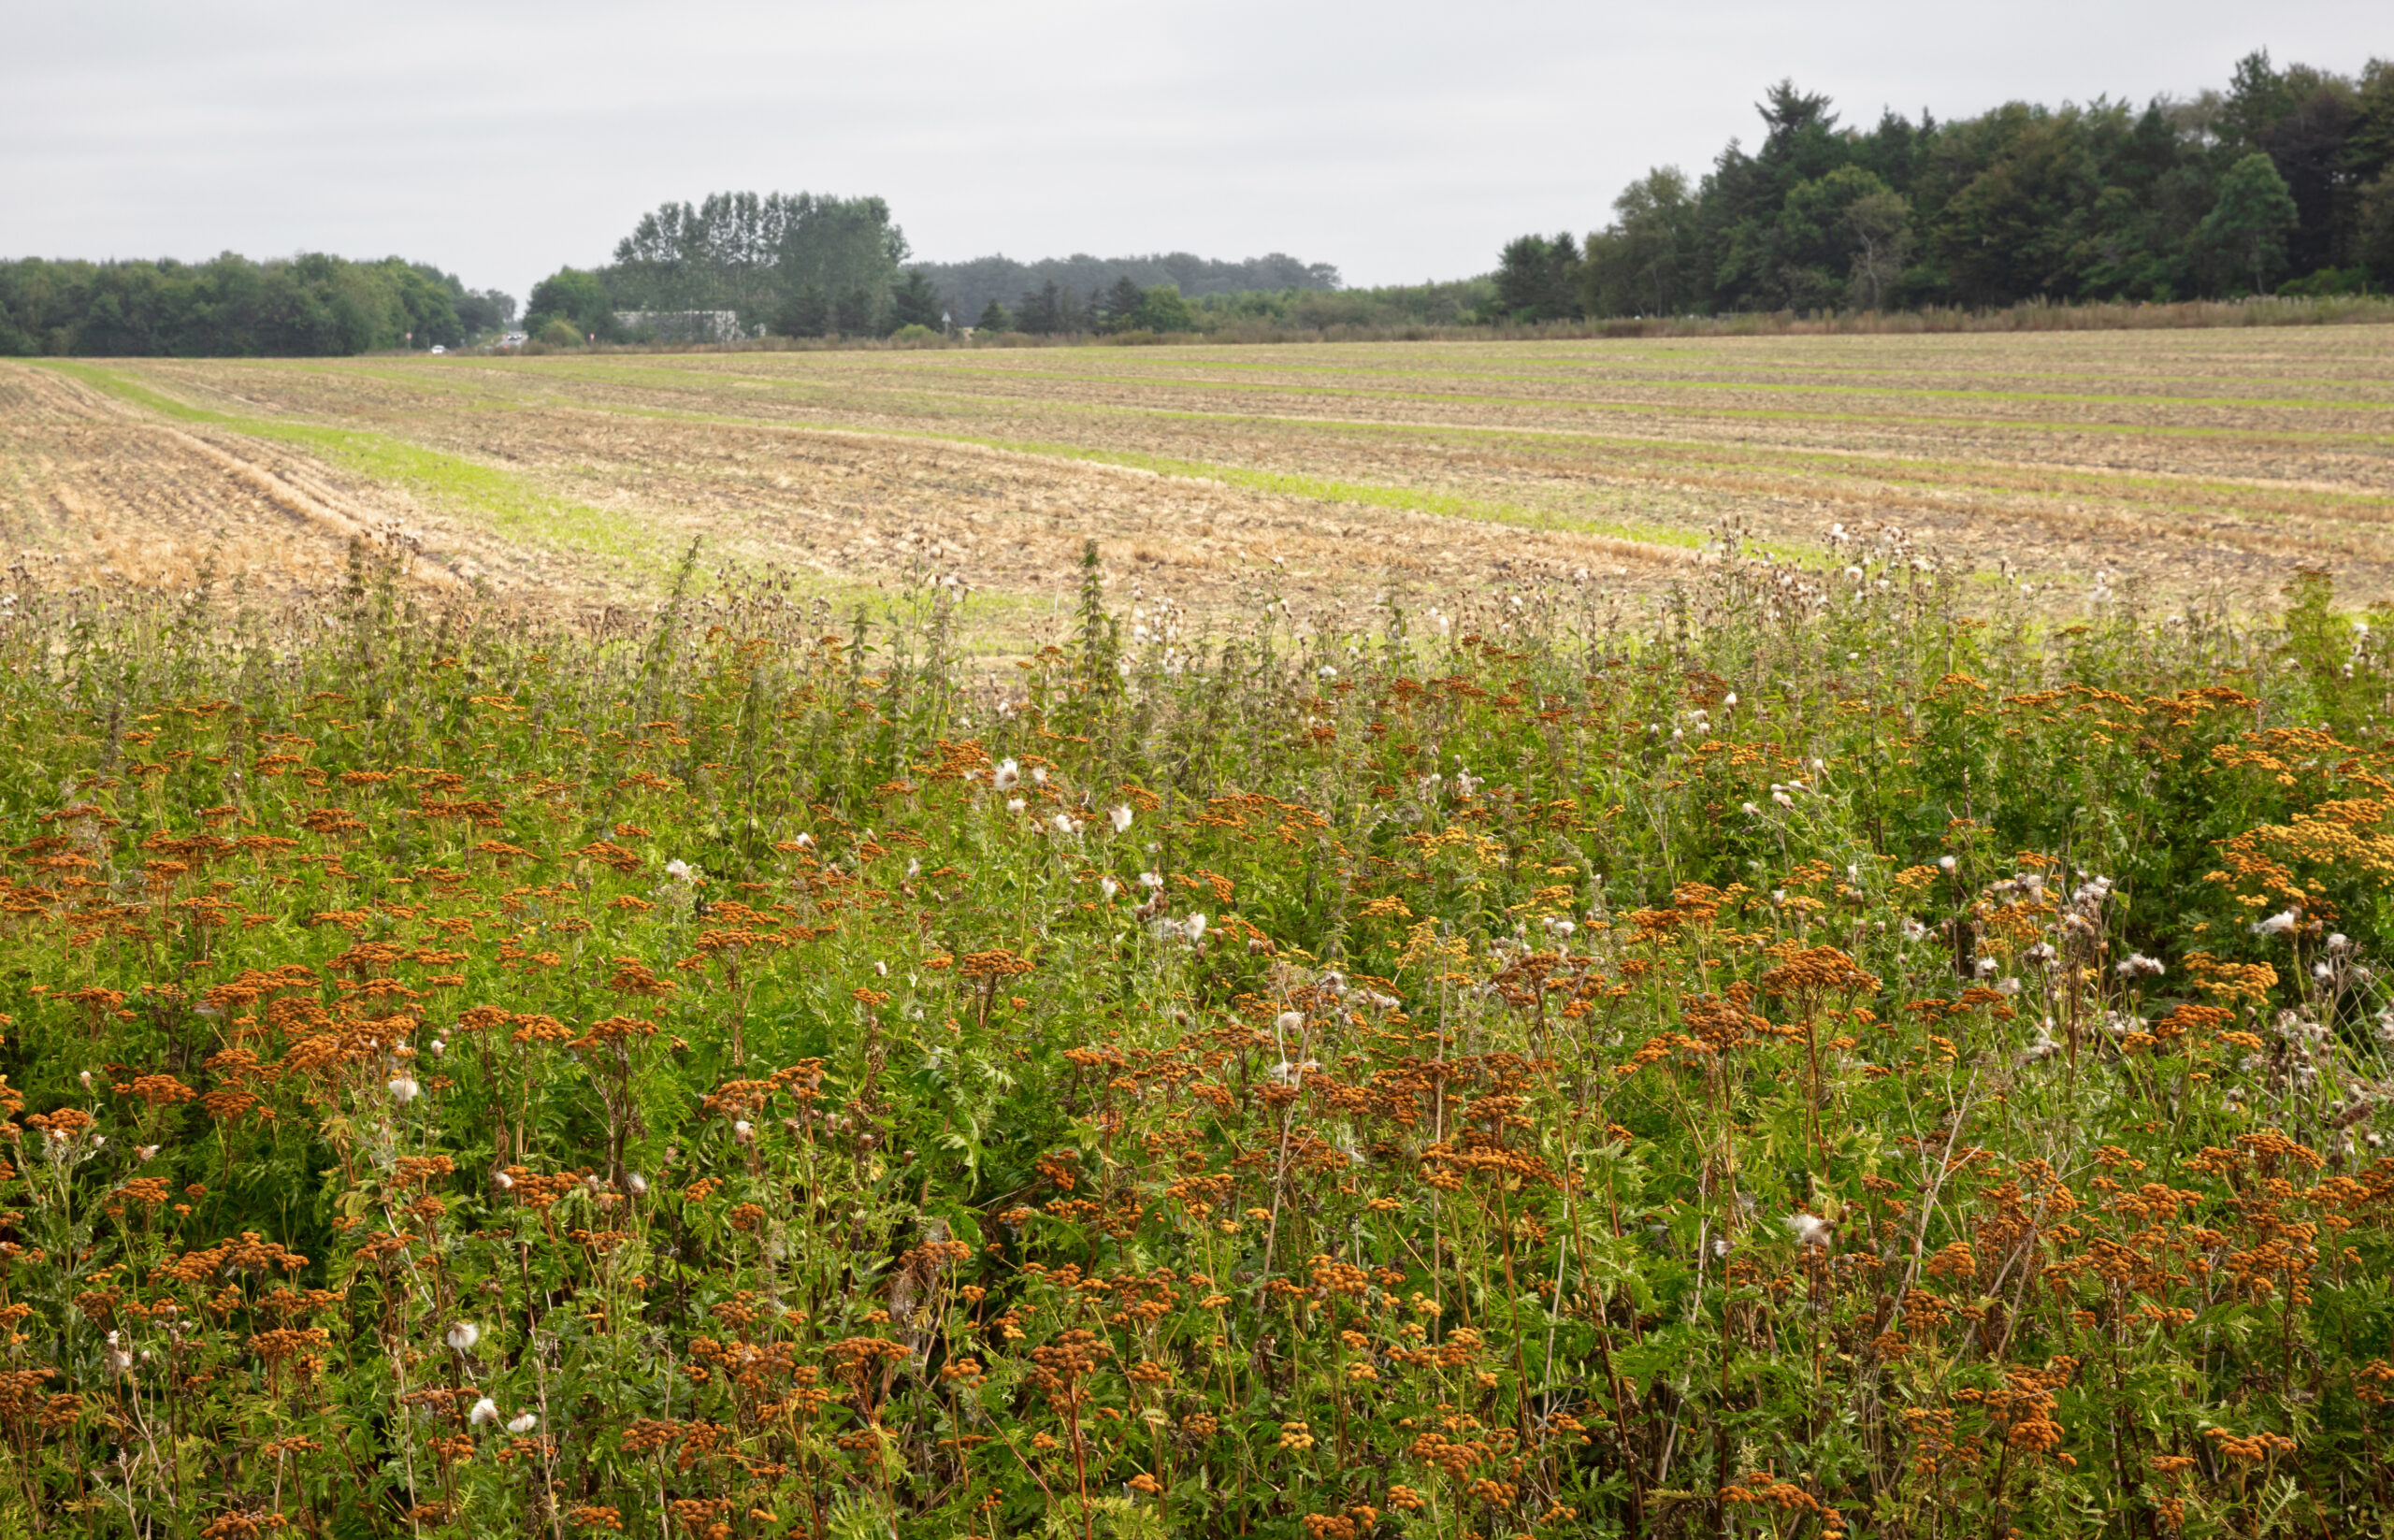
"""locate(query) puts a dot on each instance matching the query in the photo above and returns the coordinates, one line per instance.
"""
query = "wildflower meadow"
(1825, 1053)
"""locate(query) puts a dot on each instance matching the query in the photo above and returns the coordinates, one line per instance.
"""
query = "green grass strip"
(696, 381)
(508, 504)
(1317, 488)
(848, 386)
(1368, 494)
(1989, 477)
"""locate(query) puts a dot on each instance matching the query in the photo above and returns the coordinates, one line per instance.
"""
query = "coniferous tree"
(2099, 201)
(1538, 279)
(1042, 310)
(805, 313)
(915, 303)
(1114, 309)
(852, 313)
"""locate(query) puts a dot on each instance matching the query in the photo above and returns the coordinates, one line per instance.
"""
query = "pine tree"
(1538, 280)
(915, 303)
(1120, 301)
(807, 313)
(1041, 311)
(853, 315)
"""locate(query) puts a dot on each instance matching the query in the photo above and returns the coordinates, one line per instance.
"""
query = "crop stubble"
(2188, 460)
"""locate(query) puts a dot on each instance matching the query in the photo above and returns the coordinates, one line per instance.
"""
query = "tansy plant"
(1811, 1060)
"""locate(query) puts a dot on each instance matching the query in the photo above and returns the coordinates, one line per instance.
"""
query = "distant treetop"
(767, 257)
(308, 306)
(2283, 183)
(976, 284)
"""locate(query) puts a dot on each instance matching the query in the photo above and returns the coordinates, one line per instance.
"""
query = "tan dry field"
(2184, 462)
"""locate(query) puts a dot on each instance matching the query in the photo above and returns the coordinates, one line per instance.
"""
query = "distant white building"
(684, 325)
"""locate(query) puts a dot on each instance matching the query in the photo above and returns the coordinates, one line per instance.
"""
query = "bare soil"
(2181, 462)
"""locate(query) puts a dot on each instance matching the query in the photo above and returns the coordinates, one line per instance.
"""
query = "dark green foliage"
(2286, 173)
(1400, 305)
(995, 317)
(2247, 228)
(2375, 244)
(852, 313)
(1161, 309)
(230, 306)
(1538, 279)
(915, 303)
(1046, 311)
(576, 298)
(984, 280)
(1642, 263)
(1840, 239)
(758, 254)
(1114, 306)
(485, 312)
(805, 313)
(1128, 308)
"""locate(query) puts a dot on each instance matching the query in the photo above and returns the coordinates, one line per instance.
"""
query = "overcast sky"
(1399, 140)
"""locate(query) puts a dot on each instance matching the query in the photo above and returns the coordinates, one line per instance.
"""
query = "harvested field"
(2181, 462)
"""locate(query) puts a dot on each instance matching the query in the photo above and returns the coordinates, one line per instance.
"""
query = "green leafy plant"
(1821, 1062)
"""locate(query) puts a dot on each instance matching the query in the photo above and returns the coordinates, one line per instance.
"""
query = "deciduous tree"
(2247, 228)
(1537, 279)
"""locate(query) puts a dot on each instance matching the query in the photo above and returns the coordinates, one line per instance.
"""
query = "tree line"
(973, 287)
(1162, 309)
(810, 264)
(2283, 182)
(1052, 309)
(800, 263)
(301, 306)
